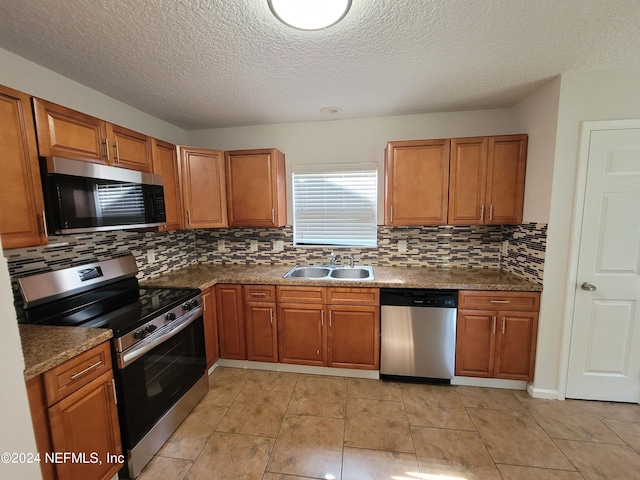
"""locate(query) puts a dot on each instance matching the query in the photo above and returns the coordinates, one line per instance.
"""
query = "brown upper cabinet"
(461, 181)
(416, 182)
(256, 191)
(203, 188)
(70, 134)
(487, 180)
(165, 163)
(22, 213)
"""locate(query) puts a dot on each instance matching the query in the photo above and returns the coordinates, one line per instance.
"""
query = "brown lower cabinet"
(345, 332)
(73, 408)
(231, 325)
(496, 334)
(261, 322)
(210, 326)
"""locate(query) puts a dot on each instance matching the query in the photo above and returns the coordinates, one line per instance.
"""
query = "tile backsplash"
(446, 246)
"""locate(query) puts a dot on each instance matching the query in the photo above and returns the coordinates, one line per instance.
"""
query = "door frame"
(587, 128)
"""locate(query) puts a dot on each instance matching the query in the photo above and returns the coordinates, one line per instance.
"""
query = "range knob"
(150, 328)
(170, 317)
(139, 334)
(190, 304)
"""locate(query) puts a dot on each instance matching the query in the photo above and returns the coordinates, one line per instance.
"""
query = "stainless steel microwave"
(88, 197)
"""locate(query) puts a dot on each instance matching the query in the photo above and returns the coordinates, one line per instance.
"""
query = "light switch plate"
(253, 246)
(402, 246)
(278, 245)
(151, 256)
(221, 247)
(505, 248)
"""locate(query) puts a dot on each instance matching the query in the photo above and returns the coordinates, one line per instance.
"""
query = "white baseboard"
(489, 382)
(542, 393)
(286, 367)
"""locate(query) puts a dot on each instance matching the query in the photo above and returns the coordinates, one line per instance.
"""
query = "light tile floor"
(257, 425)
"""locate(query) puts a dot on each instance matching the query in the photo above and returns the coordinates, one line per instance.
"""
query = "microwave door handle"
(130, 356)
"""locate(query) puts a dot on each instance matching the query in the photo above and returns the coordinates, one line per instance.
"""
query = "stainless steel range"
(158, 344)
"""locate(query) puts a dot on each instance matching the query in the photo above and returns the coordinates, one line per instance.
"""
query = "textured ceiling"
(215, 63)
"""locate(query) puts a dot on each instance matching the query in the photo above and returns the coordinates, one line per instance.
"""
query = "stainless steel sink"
(330, 272)
(308, 272)
(353, 273)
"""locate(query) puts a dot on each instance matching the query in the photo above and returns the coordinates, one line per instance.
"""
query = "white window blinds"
(336, 207)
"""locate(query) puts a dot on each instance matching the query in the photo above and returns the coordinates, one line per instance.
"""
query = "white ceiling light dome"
(309, 14)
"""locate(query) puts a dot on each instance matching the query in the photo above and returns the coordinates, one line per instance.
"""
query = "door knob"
(588, 287)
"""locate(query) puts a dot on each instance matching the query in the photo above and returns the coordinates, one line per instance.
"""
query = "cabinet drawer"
(301, 294)
(259, 293)
(353, 296)
(521, 301)
(73, 374)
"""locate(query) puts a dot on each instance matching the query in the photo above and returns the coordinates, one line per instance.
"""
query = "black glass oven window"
(156, 381)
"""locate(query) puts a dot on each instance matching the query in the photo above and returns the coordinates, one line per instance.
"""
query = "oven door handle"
(127, 357)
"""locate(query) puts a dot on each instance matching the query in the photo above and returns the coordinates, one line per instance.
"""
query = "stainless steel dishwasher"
(418, 334)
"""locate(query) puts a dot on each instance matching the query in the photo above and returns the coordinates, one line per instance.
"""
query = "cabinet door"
(230, 322)
(203, 187)
(63, 132)
(87, 421)
(262, 339)
(468, 181)
(256, 188)
(210, 327)
(165, 163)
(516, 345)
(354, 337)
(475, 343)
(22, 213)
(505, 179)
(416, 182)
(130, 149)
(302, 335)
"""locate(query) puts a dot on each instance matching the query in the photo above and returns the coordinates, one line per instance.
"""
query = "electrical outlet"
(151, 256)
(253, 246)
(402, 246)
(221, 247)
(505, 248)
(278, 245)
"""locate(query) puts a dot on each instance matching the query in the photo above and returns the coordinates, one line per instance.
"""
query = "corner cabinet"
(22, 214)
(231, 324)
(203, 188)
(70, 134)
(256, 189)
(165, 163)
(497, 334)
(74, 409)
(416, 182)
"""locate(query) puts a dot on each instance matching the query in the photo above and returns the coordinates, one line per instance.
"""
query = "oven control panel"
(155, 326)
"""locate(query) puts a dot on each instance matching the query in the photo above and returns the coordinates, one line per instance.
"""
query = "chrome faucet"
(334, 259)
(352, 260)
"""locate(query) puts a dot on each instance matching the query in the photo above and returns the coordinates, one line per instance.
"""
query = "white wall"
(352, 141)
(28, 77)
(610, 95)
(16, 434)
(537, 115)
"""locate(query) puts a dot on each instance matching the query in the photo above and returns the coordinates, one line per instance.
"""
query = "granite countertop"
(46, 347)
(203, 276)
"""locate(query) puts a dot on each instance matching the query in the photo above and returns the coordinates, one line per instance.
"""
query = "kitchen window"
(335, 205)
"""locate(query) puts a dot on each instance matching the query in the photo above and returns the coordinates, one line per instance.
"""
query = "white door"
(604, 357)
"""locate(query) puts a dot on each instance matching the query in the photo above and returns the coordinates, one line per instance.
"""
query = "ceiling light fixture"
(309, 14)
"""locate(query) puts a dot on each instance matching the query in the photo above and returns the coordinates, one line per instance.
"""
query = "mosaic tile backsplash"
(447, 246)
